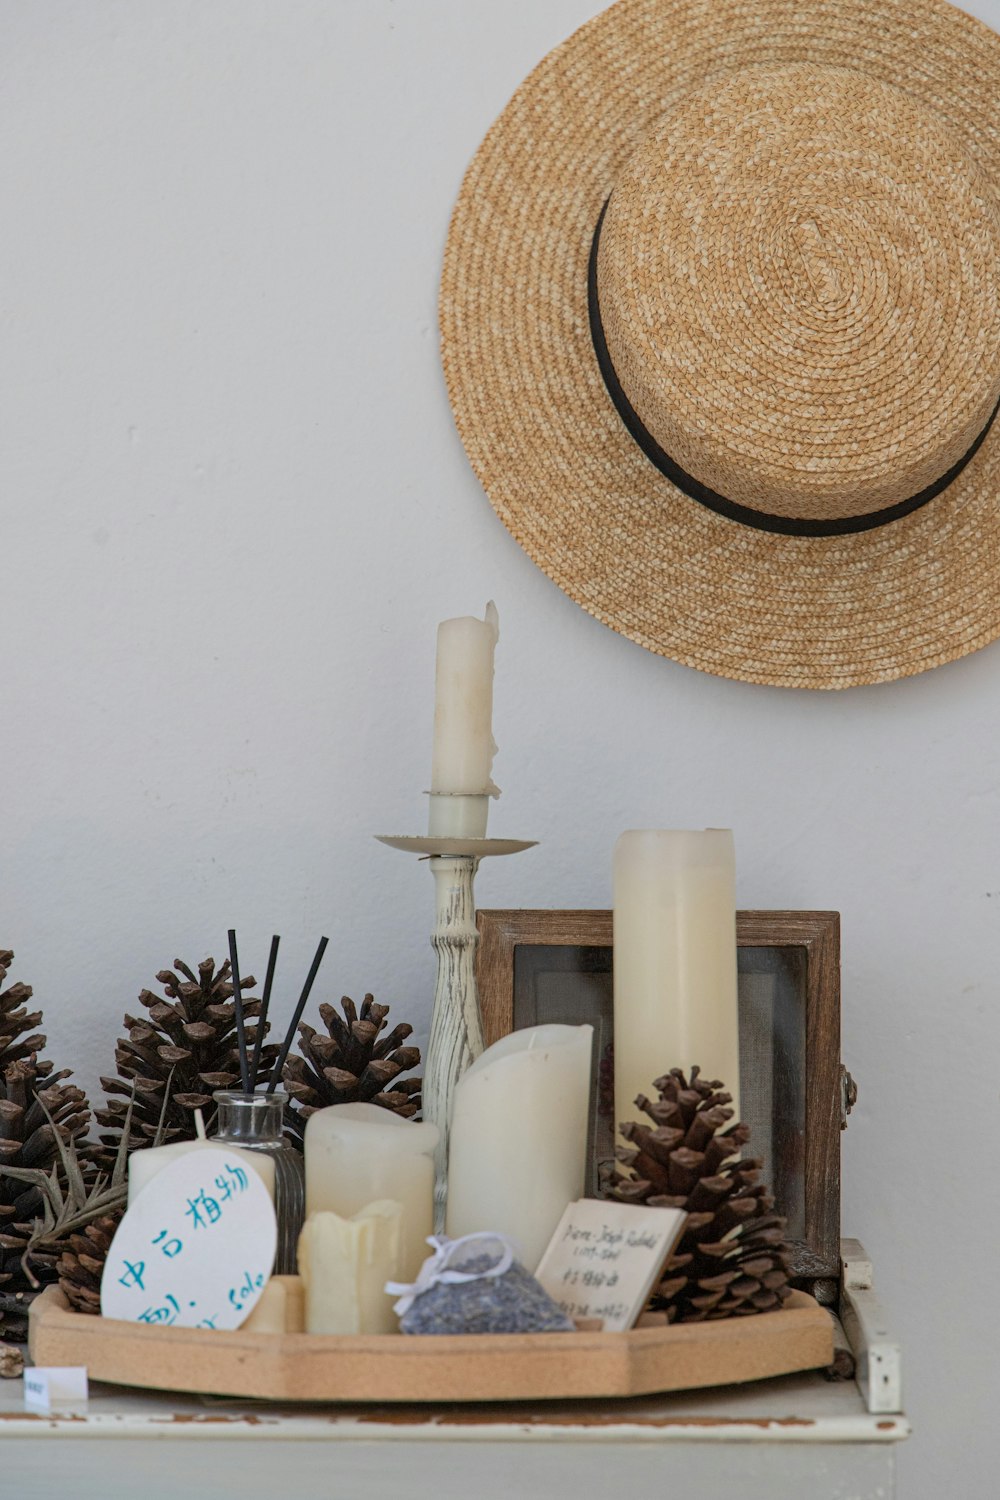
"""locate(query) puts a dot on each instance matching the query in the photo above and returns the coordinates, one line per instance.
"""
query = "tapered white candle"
(464, 748)
(356, 1153)
(345, 1264)
(674, 960)
(519, 1136)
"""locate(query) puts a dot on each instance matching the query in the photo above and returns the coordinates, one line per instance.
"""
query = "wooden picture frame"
(794, 1090)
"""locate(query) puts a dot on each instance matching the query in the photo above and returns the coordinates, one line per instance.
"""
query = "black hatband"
(762, 520)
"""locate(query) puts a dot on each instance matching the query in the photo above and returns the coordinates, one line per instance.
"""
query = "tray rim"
(471, 1368)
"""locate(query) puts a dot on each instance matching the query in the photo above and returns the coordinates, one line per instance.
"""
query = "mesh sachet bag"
(476, 1285)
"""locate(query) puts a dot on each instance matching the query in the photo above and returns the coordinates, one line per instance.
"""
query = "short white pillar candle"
(356, 1153)
(144, 1165)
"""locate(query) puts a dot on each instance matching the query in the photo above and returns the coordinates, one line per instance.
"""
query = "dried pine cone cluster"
(731, 1259)
(169, 1064)
(351, 1063)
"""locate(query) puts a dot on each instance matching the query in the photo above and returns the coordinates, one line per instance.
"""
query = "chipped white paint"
(856, 1268)
(799, 1409)
(879, 1360)
(260, 1427)
(776, 1440)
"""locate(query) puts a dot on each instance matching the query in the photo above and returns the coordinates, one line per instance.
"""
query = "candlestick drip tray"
(397, 1367)
(454, 847)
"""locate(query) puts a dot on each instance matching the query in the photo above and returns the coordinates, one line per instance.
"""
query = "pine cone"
(16, 1019)
(732, 1259)
(27, 1140)
(349, 1064)
(81, 1264)
(188, 1044)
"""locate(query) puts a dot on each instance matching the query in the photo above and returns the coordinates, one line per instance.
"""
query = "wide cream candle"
(144, 1165)
(345, 1264)
(356, 1153)
(674, 960)
(518, 1141)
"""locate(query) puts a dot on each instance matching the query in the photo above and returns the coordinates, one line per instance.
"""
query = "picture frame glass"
(570, 984)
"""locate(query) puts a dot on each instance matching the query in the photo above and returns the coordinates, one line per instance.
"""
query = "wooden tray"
(394, 1367)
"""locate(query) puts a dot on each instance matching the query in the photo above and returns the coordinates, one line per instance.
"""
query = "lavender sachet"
(476, 1285)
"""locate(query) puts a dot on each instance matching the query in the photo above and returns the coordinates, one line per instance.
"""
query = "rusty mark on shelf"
(467, 1418)
(199, 1419)
(42, 1416)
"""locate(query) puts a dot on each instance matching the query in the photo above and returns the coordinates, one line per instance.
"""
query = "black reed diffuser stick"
(241, 1031)
(265, 1002)
(286, 1044)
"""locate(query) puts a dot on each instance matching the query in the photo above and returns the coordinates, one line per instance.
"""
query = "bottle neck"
(250, 1117)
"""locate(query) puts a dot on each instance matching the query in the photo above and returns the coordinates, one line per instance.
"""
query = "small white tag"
(604, 1257)
(57, 1385)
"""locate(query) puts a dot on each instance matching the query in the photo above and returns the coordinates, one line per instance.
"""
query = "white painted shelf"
(782, 1439)
(779, 1438)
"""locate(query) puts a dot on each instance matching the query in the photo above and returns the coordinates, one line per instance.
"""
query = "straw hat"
(721, 331)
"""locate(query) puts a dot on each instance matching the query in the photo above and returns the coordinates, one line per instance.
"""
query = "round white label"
(196, 1248)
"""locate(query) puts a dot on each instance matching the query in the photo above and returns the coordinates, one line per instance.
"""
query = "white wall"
(232, 509)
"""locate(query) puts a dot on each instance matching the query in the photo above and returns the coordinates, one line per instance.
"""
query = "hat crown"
(798, 286)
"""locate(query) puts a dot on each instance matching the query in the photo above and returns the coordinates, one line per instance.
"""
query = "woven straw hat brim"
(540, 429)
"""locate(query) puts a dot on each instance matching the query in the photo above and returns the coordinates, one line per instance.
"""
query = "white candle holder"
(456, 1038)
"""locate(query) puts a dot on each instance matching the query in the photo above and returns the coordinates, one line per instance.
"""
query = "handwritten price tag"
(196, 1248)
(604, 1257)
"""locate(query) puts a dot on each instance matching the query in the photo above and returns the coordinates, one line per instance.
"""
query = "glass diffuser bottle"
(254, 1122)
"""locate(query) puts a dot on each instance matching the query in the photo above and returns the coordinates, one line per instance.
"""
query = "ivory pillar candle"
(345, 1264)
(674, 960)
(356, 1153)
(462, 763)
(519, 1137)
(144, 1165)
